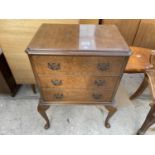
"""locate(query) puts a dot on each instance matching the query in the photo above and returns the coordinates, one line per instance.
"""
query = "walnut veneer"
(78, 64)
(139, 60)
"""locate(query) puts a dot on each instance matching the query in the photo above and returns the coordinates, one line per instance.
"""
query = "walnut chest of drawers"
(77, 64)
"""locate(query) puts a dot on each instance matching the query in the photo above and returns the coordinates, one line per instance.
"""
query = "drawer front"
(77, 95)
(74, 82)
(77, 65)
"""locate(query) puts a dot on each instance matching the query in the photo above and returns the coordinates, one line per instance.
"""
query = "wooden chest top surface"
(72, 39)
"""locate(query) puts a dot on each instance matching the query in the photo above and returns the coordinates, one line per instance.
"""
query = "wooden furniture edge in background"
(145, 65)
(8, 84)
(150, 79)
(150, 118)
(139, 60)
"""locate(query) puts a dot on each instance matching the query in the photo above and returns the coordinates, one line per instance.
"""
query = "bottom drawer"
(77, 95)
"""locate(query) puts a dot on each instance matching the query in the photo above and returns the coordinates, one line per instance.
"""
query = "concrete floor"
(18, 115)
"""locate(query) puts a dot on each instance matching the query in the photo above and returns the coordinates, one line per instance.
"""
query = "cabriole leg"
(150, 119)
(141, 88)
(111, 112)
(42, 110)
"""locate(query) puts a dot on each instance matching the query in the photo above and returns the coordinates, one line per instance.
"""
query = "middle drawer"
(83, 82)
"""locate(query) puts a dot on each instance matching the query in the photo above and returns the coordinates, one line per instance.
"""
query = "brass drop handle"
(58, 96)
(99, 82)
(54, 66)
(96, 96)
(103, 66)
(57, 82)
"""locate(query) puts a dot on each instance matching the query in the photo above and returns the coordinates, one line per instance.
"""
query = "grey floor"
(18, 115)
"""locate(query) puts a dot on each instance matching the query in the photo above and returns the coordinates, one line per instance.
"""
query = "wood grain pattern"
(146, 34)
(77, 95)
(76, 82)
(139, 60)
(55, 38)
(77, 77)
(127, 27)
(14, 37)
(89, 21)
(75, 38)
(78, 65)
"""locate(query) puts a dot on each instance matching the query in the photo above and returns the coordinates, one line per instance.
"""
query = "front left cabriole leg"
(42, 110)
(111, 112)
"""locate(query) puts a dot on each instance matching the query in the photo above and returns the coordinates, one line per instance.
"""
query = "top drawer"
(83, 65)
